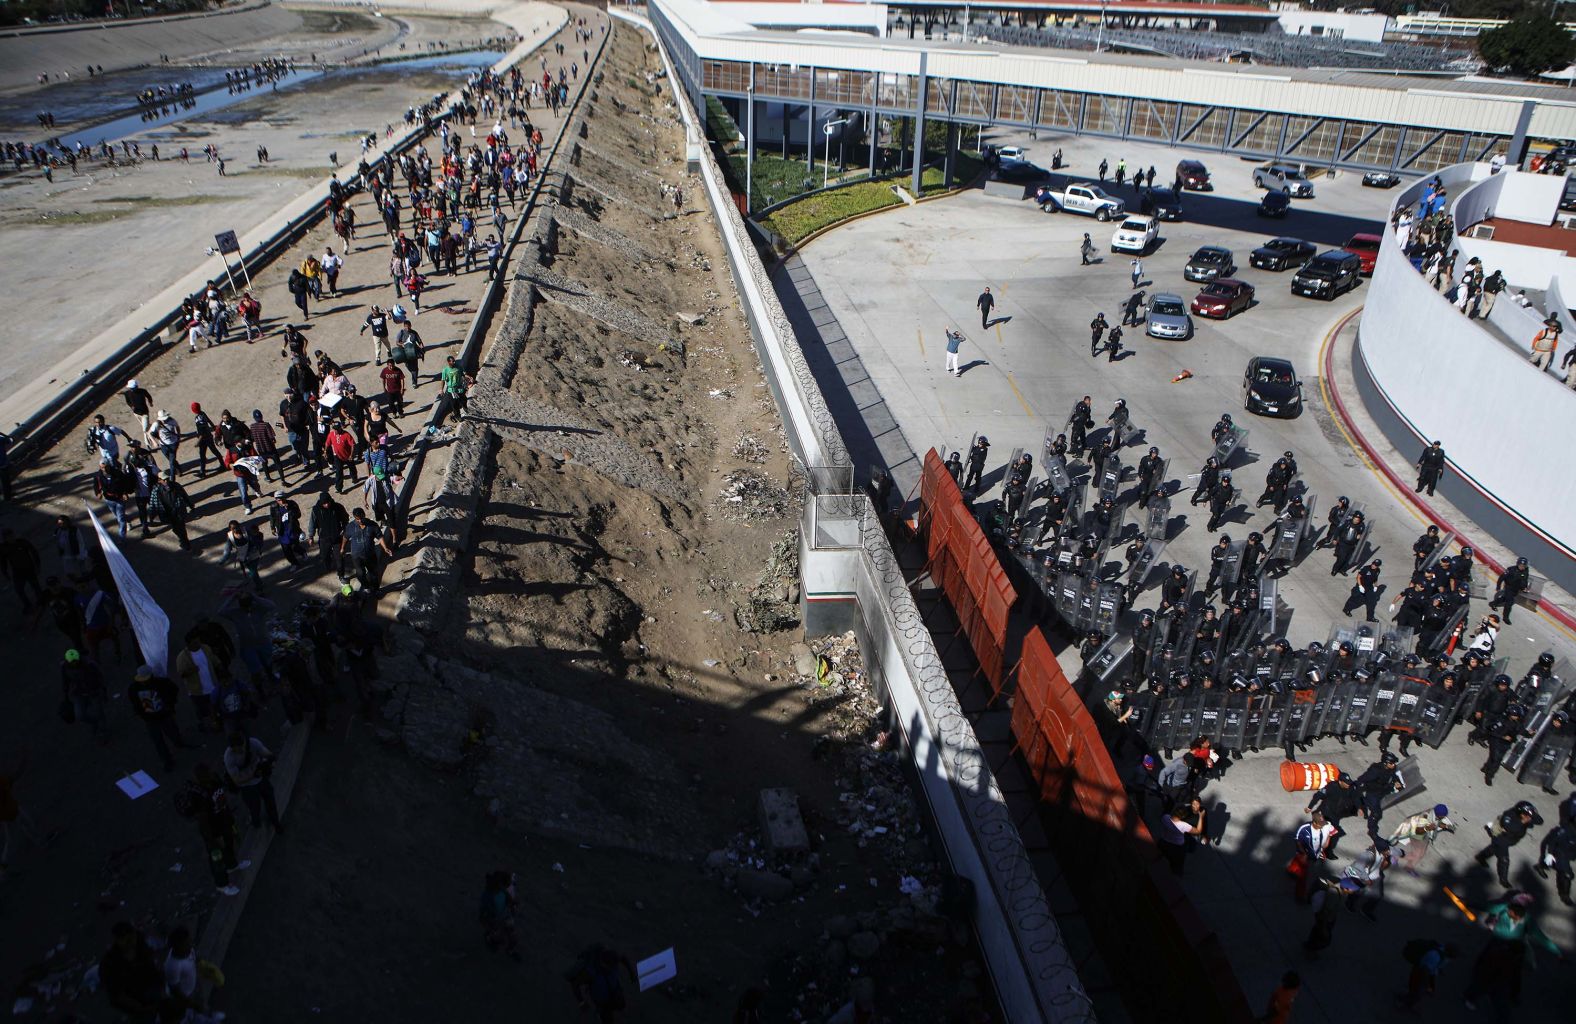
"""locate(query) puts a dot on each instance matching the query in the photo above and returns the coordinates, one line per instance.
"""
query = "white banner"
(148, 620)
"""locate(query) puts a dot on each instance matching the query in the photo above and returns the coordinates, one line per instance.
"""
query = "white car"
(1136, 234)
(1012, 153)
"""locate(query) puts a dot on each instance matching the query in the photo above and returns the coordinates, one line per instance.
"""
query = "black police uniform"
(1424, 546)
(1506, 832)
(1429, 467)
(1207, 478)
(1501, 735)
(1217, 562)
(1377, 782)
(1559, 845)
(976, 473)
(1365, 592)
(1511, 583)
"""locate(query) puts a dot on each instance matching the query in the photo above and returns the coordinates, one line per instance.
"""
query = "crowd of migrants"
(1183, 677)
(445, 214)
(1425, 235)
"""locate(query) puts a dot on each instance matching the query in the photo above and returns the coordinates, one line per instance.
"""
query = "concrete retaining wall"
(1034, 976)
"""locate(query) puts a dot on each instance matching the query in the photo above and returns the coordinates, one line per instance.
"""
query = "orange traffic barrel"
(1297, 775)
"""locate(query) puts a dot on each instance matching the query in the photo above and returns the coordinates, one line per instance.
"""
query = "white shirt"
(204, 672)
(1318, 836)
(180, 973)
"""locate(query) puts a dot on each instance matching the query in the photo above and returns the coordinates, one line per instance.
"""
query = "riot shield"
(1107, 607)
(1269, 600)
(1187, 720)
(1547, 759)
(1111, 477)
(1157, 518)
(1050, 443)
(1064, 554)
(1138, 574)
(1109, 659)
(1211, 714)
(1313, 723)
(1439, 640)
(1118, 522)
(1142, 706)
(1161, 475)
(1299, 710)
(1075, 501)
(1424, 711)
(1162, 724)
(1028, 498)
(1286, 539)
(1068, 586)
(1410, 776)
(1271, 711)
(1056, 473)
(1231, 565)
(1234, 722)
(1087, 593)
(1359, 706)
(1228, 444)
(1360, 551)
(1334, 721)
(1382, 704)
(1440, 551)
(1542, 706)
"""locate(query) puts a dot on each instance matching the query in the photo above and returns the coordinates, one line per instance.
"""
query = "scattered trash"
(749, 495)
(748, 448)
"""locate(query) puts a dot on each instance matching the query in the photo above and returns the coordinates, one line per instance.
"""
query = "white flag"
(148, 620)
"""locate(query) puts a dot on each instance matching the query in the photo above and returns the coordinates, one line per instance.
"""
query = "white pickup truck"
(1089, 200)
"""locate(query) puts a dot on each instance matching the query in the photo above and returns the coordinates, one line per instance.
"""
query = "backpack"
(297, 282)
(1415, 949)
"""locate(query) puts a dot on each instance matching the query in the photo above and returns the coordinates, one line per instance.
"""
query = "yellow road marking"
(1021, 400)
(921, 342)
(1329, 404)
(999, 340)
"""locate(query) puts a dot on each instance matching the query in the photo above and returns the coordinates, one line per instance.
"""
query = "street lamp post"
(826, 159)
(1100, 40)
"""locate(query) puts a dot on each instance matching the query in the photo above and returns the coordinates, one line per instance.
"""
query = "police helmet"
(1466, 551)
(1389, 758)
(1315, 648)
(1343, 500)
(1521, 561)
(1525, 807)
(1546, 660)
(1433, 530)
(1288, 454)
(957, 455)
(1516, 709)
(1146, 617)
(983, 440)
(1178, 571)
(1502, 680)
(1377, 564)
(1225, 417)
(1153, 450)
(1346, 647)
(1255, 535)
(1226, 475)
(1560, 719)
(1121, 401)
(1225, 539)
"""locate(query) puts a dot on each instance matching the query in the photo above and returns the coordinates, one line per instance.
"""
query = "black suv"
(1328, 275)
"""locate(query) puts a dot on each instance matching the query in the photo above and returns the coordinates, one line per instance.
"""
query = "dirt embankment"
(611, 680)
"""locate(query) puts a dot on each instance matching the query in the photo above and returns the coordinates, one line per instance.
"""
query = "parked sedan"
(1282, 254)
(1209, 263)
(1223, 298)
(1270, 387)
(1274, 204)
(1022, 172)
(1381, 179)
(1167, 318)
(1162, 203)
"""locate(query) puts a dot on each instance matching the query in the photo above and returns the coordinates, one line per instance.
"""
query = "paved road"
(892, 284)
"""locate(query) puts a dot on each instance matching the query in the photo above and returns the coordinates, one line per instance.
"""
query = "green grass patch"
(799, 220)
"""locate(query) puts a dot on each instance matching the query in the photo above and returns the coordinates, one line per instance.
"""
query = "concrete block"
(781, 823)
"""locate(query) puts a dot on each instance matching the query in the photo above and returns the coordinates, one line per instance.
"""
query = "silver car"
(1168, 318)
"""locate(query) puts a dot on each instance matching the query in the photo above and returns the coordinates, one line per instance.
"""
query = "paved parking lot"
(895, 282)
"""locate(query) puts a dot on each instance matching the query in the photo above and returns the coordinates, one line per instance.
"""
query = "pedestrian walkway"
(132, 851)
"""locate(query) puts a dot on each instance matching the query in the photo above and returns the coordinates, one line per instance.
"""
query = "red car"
(1223, 298)
(1366, 248)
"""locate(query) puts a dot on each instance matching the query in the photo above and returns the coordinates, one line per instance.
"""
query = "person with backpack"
(415, 284)
(169, 503)
(456, 385)
(113, 486)
(243, 545)
(299, 287)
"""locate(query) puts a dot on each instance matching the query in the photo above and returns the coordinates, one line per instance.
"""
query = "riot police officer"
(1058, 449)
(1461, 573)
(1365, 592)
(1339, 513)
(1113, 345)
(1220, 499)
(1150, 470)
(1143, 641)
(1253, 555)
(1221, 429)
(1206, 635)
(1012, 495)
(1346, 543)
(1511, 583)
(1207, 478)
(1491, 704)
(1174, 590)
(1558, 850)
(1052, 518)
(954, 466)
(1540, 673)
(1510, 829)
(1291, 462)
(1217, 562)
(977, 455)
(1500, 736)
(1097, 328)
(1430, 465)
(1118, 420)
(1424, 546)
(1080, 421)
(1378, 782)
(1104, 515)
(1276, 483)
